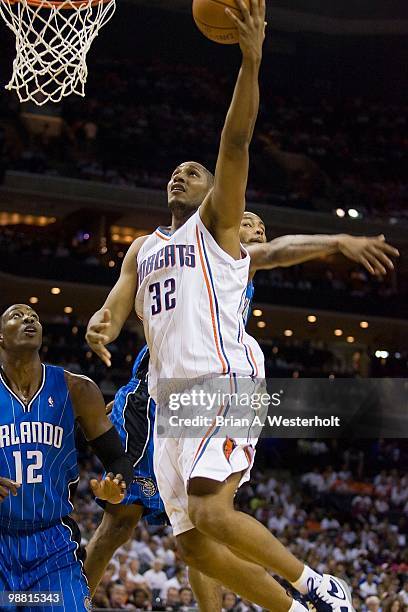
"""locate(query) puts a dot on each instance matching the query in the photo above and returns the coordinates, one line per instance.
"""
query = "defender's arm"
(373, 253)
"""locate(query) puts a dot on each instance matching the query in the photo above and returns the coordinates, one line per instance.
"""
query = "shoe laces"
(320, 601)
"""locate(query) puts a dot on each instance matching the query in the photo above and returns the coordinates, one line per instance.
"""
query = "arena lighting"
(111, 264)
(382, 354)
(257, 312)
(33, 300)
(55, 291)
(338, 332)
(353, 213)
(363, 324)
(397, 355)
(288, 333)
(350, 339)
(7, 218)
(75, 330)
(312, 319)
(68, 309)
(261, 324)
(340, 212)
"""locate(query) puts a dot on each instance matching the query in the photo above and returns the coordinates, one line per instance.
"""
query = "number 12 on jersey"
(167, 292)
(33, 467)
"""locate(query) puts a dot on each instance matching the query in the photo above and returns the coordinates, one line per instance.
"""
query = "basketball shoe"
(331, 595)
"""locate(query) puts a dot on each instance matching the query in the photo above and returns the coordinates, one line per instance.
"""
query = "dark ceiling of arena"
(335, 9)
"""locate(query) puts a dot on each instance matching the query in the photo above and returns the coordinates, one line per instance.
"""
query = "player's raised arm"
(106, 324)
(223, 208)
(373, 253)
(89, 407)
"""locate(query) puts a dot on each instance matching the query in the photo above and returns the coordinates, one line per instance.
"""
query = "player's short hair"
(208, 174)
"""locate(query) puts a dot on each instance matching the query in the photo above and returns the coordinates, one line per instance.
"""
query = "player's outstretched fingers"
(379, 254)
(255, 9)
(102, 352)
(367, 265)
(94, 484)
(107, 316)
(245, 12)
(237, 21)
(96, 337)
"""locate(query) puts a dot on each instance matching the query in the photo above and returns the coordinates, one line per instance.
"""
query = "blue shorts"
(45, 560)
(133, 415)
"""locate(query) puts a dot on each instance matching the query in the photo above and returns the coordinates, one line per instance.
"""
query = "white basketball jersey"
(191, 298)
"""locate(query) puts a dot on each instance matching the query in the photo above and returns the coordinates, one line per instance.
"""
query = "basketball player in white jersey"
(284, 251)
(190, 287)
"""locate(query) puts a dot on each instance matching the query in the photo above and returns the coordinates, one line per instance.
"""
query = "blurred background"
(81, 180)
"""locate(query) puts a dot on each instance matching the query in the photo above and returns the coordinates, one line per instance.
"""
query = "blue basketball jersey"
(37, 449)
(249, 296)
(141, 365)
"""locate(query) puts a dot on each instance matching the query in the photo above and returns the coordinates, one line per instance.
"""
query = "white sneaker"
(331, 595)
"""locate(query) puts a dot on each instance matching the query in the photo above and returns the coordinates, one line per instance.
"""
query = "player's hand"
(251, 28)
(96, 335)
(373, 253)
(111, 489)
(8, 486)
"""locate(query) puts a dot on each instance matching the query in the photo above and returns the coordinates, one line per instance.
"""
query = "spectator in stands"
(155, 577)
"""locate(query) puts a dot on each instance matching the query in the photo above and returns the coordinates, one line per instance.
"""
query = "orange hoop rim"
(61, 4)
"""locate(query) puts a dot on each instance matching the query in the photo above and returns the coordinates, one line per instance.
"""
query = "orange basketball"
(212, 21)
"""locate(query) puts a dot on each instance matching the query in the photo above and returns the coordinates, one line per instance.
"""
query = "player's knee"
(192, 552)
(205, 516)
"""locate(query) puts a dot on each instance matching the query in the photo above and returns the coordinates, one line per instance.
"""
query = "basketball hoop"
(52, 41)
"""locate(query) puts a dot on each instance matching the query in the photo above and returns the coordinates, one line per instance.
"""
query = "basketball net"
(52, 41)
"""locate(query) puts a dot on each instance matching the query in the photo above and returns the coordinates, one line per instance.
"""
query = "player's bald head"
(252, 228)
(251, 215)
(24, 308)
(19, 317)
(9, 309)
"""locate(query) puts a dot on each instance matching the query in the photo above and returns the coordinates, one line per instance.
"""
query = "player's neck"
(179, 218)
(23, 373)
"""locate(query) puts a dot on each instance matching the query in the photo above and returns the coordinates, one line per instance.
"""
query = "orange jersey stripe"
(162, 236)
(224, 367)
(207, 434)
